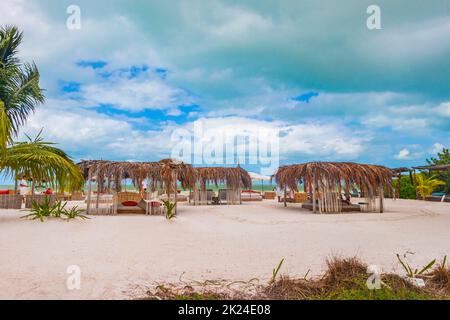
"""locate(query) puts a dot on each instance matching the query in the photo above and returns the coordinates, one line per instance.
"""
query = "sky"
(137, 71)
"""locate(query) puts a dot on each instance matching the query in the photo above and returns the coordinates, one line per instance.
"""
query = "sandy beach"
(120, 255)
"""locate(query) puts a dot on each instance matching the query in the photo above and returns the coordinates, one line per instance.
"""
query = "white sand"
(118, 254)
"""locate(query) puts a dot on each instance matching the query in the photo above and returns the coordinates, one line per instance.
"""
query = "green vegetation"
(407, 189)
(440, 275)
(74, 213)
(57, 210)
(359, 291)
(426, 185)
(412, 273)
(170, 209)
(423, 184)
(198, 296)
(20, 94)
(276, 270)
(344, 279)
(442, 158)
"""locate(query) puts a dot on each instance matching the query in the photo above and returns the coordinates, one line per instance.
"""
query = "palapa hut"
(326, 181)
(233, 178)
(164, 175)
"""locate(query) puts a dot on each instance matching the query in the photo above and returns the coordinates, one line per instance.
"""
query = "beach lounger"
(251, 195)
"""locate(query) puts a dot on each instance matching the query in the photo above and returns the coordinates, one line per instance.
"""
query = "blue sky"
(335, 90)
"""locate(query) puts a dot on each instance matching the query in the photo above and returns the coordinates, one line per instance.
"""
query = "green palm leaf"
(19, 86)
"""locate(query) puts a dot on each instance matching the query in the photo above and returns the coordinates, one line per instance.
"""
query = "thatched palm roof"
(233, 177)
(332, 174)
(160, 173)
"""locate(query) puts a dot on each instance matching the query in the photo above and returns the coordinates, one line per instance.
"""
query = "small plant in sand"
(41, 211)
(170, 209)
(412, 273)
(58, 210)
(276, 270)
(440, 275)
(74, 213)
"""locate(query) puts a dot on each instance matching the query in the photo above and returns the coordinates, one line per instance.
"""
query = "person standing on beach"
(23, 186)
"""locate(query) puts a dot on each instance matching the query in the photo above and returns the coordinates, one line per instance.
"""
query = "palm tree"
(20, 94)
(19, 86)
(425, 186)
(41, 160)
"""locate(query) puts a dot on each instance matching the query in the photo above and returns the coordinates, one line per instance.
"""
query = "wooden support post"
(240, 195)
(414, 183)
(98, 193)
(89, 192)
(146, 193)
(314, 196)
(285, 195)
(381, 199)
(175, 177)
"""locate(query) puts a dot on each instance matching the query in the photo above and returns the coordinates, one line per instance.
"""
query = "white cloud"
(411, 125)
(134, 94)
(406, 154)
(403, 154)
(92, 135)
(437, 147)
(323, 140)
(444, 109)
(400, 44)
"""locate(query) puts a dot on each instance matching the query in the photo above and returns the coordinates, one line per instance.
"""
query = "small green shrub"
(407, 189)
(74, 213)
(43, 210)
(57, 210)
(170, 209)
(276, 270)
(416, 272)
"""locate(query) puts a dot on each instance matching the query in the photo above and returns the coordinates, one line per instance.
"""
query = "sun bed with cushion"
(128, 203)
(251, 195)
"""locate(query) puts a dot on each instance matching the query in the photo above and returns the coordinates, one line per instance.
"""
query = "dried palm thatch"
(161, 174)
(325, 181)
(234, 178)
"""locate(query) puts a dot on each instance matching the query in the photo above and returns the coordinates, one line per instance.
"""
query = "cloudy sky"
(118, 87)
